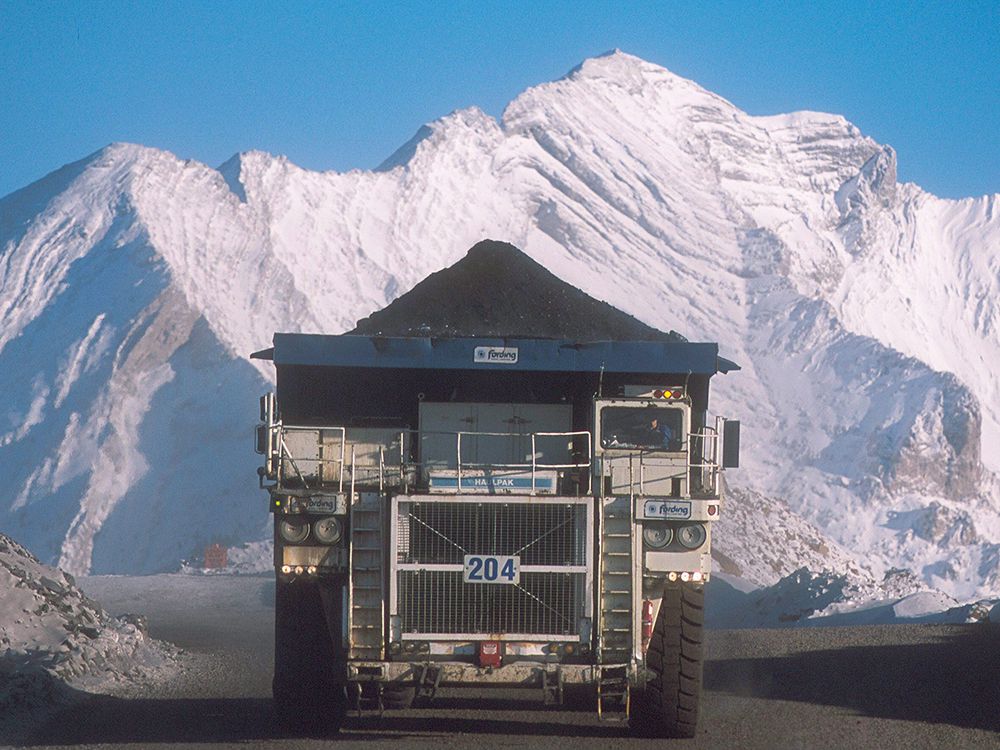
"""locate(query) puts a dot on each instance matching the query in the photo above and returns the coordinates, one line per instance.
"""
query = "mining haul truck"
(492, 512)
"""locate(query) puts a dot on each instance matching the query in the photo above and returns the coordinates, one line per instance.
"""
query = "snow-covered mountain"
(865, 314)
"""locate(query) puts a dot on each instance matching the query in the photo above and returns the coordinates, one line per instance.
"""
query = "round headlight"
(692, 536)
(294, 530)
(327, 530)
(657, 535)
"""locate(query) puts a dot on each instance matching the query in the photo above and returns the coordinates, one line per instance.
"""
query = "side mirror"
(731, 444)
(263, 409)
(261, 446)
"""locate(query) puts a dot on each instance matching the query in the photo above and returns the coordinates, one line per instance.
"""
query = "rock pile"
(54, 637)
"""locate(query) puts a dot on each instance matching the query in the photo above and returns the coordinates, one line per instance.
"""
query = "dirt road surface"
(905, 686)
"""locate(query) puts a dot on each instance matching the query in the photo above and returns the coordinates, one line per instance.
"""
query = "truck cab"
(477, 511)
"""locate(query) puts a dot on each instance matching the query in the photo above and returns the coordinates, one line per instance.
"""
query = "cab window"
(647, 429)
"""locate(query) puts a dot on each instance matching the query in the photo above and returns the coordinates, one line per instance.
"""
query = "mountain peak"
(611, 63)
(620, 85)
(455, 126)
(126, 149)
(123, 153)
(232, 172)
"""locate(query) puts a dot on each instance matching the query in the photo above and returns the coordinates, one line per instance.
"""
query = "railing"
(701, 467)
(709, 470)
(285, 454)
(535, 466)
(281, 457)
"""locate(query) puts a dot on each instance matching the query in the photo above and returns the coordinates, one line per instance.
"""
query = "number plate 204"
(491, 569)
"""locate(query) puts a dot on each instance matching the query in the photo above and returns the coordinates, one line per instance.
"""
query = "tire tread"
(670, 701)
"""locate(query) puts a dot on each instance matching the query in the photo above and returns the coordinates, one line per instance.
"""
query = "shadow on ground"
(951, 678)
(144, 722)
(954, 681)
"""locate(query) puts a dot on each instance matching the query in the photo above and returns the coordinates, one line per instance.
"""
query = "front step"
(367, 698)
(552, 687)
(613, 693)
(428, 681)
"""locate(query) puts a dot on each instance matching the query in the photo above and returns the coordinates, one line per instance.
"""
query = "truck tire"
(309, 663)
(668, 707)
(309, 708)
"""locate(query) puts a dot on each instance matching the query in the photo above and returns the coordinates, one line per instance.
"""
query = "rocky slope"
(53, 636)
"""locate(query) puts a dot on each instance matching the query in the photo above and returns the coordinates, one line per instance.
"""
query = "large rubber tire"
(668, 707)
(309, 708)
(309, 662)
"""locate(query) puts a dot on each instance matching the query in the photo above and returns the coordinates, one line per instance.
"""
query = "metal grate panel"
(437, 601)
(551, 538)
(444, 532)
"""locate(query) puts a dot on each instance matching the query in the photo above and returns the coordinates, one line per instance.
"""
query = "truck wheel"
(311, 709)
(669, 705)
(309, 663)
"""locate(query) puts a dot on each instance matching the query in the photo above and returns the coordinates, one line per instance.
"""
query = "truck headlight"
(692, 536)
(293, 530)
(657, 535)
(327, 530)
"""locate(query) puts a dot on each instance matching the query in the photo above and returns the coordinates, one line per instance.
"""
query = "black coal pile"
(498, 291)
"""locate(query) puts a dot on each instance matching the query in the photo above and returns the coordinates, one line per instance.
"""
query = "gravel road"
(907, 686)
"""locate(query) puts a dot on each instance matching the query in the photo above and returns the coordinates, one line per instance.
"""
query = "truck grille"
(550, 538)
(438, 602)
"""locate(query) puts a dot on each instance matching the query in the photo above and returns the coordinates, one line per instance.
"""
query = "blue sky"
(341, 85)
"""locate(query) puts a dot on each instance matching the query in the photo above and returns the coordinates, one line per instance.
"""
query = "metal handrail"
(708, 465)
(283, 452)
(535, 466)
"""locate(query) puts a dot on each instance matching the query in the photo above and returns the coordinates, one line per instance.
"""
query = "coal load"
(498, 291)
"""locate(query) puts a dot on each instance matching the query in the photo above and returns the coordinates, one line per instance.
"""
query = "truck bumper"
(517, 674)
